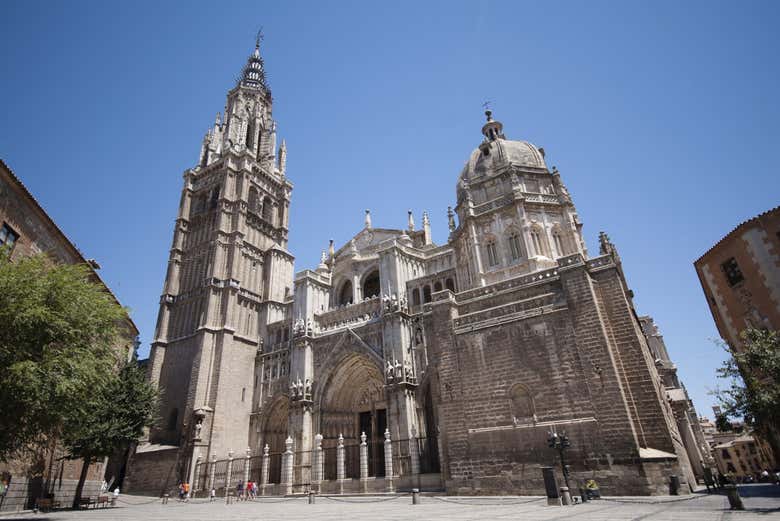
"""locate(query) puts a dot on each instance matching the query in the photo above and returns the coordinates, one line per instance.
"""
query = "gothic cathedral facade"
(462, 357)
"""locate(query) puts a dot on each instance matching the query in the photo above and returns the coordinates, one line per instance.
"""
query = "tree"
(754, 383)
(58, 332)
(723, 424)
(114, 417)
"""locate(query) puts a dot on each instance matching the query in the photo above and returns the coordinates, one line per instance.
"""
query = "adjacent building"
(27, 229)
(441, 366)
(740, 276)
(742, 457)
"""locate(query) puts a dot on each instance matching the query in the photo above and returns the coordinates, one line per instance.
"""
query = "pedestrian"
(239, 489)
(212, 495)
(186, 487)
(181, 491)
(116, 497)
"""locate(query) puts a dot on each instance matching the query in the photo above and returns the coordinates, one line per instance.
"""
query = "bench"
(45, 504)
(102, 501)
(86, 501)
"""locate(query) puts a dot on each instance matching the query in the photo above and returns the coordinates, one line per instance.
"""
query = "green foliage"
(754, 380)
(113, 416)
(723, 424)
(58, 331)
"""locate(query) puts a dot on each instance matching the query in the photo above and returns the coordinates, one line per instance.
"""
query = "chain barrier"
(661, 502)
(341, 500)
(486, 504)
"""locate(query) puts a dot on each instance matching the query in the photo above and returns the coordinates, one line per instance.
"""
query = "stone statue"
(198, 428)
(408, 371)
(389, 371)
(307, 390)
(398, 372)
(294, 390)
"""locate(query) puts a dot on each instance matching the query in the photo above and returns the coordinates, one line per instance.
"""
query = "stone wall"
(571, 359)
(152, 471)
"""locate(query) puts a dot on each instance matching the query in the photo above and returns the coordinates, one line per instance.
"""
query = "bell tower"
(229, 275)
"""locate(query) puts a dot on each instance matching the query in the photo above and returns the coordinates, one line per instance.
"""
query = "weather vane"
(486, 105)
(259, 37)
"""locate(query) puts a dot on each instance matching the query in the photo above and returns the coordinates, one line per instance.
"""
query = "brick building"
(27, 229)
(462, 357)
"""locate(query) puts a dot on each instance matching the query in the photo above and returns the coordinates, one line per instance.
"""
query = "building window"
(437, 286)
(450, 285)
(427, 294)
(7, 236)
(415, 297)
(514, 247)
(491, 253)
(536, 240)
(725, 454)
(732, 271)
(558, 241)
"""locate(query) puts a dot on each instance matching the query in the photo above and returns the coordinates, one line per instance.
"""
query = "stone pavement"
(761, 502)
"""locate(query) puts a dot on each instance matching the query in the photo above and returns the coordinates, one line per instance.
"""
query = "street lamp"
(560, 443)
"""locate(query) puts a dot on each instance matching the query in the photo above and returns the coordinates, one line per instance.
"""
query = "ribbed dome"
(501, 152)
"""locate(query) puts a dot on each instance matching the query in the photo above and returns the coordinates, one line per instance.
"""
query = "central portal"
(354, 403)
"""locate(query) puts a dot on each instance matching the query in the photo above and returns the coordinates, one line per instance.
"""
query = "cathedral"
(397, 362)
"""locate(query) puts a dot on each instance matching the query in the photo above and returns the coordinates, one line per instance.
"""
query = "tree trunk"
(82, 479)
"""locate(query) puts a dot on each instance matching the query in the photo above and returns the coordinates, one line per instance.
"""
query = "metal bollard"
(165, 499)
(229, 498)
(415, 496)
(674, 485)
(311, 497)
(735, 502)
(565, 496)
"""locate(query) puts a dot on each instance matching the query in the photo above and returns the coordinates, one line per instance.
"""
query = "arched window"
(371, 286)
(437, 286)
(415, 297)
(345, 295)
(515, 247)
(250, 134)
(173, 419)
(521, 404)
(214, 199)
(254, 200)
(558, 242)
(427, 294)
(450, 284)
(267, 209)
(536, 241)
(492, 253)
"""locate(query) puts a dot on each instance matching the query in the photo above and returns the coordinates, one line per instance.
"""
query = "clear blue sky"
(663, 119)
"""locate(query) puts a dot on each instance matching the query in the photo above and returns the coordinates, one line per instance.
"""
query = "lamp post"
(560, 443)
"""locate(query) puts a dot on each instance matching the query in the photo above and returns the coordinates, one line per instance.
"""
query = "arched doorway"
(371, 285)
(353, 402)
(275, 432)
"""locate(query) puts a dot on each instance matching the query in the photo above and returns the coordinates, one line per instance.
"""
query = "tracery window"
(427, 294)
(437, 286)
(536, 241)
(254, 200)
(558, 241)
(415, 297)
(267, 209)
(515, 250)
(492, 255)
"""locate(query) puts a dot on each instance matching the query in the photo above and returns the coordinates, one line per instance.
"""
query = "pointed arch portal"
(352, 402)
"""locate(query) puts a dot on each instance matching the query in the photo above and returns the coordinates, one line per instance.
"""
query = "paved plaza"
(761, 502)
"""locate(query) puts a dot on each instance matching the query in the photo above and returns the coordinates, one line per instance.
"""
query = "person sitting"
(592, 489)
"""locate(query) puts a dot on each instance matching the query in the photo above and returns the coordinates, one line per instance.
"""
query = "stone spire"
(282, 158)
(426, 228)
(253, 73)
(450, 219)
(368, 219)
(410, 220)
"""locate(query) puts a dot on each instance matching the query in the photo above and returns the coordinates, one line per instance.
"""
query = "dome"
(501, 152)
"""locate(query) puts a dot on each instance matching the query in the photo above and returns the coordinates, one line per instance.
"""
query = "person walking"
(212, 495)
